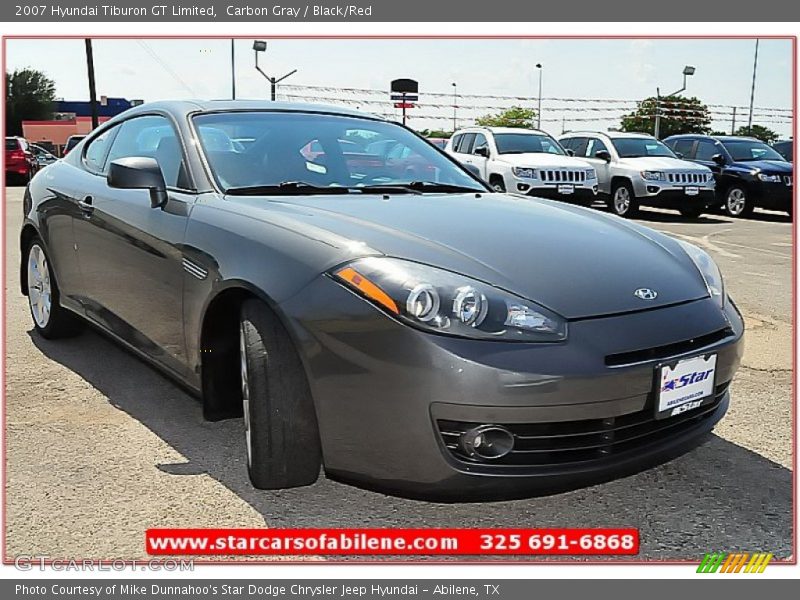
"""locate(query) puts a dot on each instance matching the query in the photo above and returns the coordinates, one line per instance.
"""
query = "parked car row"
(690, 173)
(24, 159)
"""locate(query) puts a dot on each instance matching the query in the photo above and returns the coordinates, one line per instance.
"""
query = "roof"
(185, 106)
(501, 129)
(719, 138)
(612, 134)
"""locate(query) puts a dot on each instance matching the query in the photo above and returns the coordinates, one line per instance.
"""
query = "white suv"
(524, 161)
(635, 169)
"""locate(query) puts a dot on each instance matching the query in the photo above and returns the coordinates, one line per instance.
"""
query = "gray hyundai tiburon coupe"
(383, 315)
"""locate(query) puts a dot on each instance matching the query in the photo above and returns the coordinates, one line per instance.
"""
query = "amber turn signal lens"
(366, 287)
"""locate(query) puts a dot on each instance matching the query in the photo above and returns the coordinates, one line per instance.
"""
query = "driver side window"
(152, 136)
(480, 142)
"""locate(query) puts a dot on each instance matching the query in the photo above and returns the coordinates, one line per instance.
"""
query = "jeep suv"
(524, 161)
(749, 173)
(635, 169)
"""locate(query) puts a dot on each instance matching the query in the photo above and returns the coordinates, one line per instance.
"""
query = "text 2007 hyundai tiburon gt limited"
(426, 335)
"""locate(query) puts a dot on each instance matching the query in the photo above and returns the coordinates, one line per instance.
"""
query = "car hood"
(663, 163)
(768, 166)
(575, 261)
(543, 159)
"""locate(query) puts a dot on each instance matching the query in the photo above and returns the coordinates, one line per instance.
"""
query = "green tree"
(29, 96)
(678, 115)
(435, 133)
(516, 116)
(765, 134)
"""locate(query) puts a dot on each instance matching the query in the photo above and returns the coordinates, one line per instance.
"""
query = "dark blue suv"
(748, 172)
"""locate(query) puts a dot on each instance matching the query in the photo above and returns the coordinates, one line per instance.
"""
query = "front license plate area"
(566, 189)
(692, 191)
(685, 385)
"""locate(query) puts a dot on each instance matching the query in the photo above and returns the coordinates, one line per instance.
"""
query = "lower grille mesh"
(567, 442)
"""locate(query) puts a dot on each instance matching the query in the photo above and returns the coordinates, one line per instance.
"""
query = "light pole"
(92, 89)
(233, 70)
(455, 104)
(261, 46)
(688, 70)
(539, 109)
(752, 92)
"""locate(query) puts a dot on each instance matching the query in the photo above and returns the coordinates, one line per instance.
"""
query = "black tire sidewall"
(285, 447)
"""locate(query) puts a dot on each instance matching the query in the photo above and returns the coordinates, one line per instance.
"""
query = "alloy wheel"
(736, 201)
(622, 200)
(245, 395)
(39, 288)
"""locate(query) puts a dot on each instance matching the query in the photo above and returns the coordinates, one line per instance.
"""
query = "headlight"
(769, 178)
(442, 302)
(653, 175)
(709, 270)
(591, 174)
(524, 172)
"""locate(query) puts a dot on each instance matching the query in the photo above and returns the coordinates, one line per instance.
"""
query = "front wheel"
(281, 433)
(497, 183)
(737, 202)
(623, 200)
(50, 320)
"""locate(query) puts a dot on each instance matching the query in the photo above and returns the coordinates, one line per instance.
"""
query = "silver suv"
(635, 169)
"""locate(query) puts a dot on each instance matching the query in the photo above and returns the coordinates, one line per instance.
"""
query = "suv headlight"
(769, 178)
(709, 270)
(653, 175)
(524, 172)
(442, 302)
(591, 174)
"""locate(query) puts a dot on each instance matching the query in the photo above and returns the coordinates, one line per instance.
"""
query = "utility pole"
(455, 105)
(233, 70)
(733, 122)
(752, 91)
(539, 109)
(92, 89)
(261, 46)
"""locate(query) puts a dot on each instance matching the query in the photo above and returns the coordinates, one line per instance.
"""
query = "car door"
(463, 152)
(588, 151)
(705, 151)
(130, 254)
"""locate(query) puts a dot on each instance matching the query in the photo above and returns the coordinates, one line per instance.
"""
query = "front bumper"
(384, 392)
(676, 198)
(551, 192)
(772, 196)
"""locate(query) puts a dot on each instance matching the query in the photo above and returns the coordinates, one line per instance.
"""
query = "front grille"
(569, 442)
(562, 176)
(687, 177)
(667, 350)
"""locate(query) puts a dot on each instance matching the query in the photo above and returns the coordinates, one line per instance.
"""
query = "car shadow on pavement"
(719, 496)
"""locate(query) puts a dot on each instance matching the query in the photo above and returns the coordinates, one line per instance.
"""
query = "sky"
(581, 79)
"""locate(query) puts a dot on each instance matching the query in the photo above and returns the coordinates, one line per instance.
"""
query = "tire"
(736, 203)
(281, 434)
(497, 183)
(692, 212)
(50, 320)
(623, 201)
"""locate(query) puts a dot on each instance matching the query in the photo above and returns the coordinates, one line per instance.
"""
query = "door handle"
(86, 205)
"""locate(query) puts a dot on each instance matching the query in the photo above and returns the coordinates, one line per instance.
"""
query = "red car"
(20, 162)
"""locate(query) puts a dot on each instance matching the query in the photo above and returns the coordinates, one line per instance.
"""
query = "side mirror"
(482, 151)
(679, 154)
(139, 172)
(570, 152)
(473, 170)
(603, 155)
(719, 159)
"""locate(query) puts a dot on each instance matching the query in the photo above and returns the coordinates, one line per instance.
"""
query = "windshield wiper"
(286, 188)
(432, 186)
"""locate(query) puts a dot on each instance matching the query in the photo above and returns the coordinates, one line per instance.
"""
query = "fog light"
(487, 441)
(523, 187)
(653, 189)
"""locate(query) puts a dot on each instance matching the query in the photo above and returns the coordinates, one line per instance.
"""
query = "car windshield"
(745, 150)
(522, 143)
(639, 147)
(299, 152)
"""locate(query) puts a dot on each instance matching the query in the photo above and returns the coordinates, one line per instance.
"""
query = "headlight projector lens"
(423, 302)
(470, 306)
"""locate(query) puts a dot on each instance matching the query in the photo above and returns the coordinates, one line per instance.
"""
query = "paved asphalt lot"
(101, 447)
